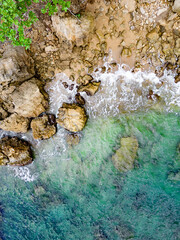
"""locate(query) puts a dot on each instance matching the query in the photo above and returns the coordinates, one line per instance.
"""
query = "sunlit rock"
(15, 65)
(14, 151)
(124, 157)
(72, 117)
(176, 6)
(15, 123)
(72, 29)
(90, 88)
(43, 127)
(28, 99)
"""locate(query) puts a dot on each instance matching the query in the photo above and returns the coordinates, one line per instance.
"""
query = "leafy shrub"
(15, 16)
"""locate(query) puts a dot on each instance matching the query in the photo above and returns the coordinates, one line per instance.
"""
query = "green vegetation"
(15, 15)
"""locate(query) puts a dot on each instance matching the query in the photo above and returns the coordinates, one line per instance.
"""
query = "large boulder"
(72, 29)
(15, 65)
(176, 6)
(14, 151)
(72, 117)
(43, 127)
(29, 100)
(15, 123)
(90, 88)
(124, 157)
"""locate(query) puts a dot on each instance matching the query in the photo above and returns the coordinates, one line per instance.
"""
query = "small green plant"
(15, 16)
(78, 15)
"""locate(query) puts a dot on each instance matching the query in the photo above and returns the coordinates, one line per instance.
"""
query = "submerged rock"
(124, 157)
(28, 99)
(14, 151)
(43, 127)
(72, 117)
(15, 123)
(72, 139)
(90, 88)
(15, 65)
(174, 176)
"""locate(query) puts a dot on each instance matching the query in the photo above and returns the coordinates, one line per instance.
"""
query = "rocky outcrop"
(72, 29)
(28, 99)
(176, 6)
(72, 117)
(15, 65)
(15, 123)
(90, 88)
(78, 5)
(43, 127)
(15, 152)
(124, 157)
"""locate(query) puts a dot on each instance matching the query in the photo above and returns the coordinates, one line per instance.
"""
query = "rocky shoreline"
(145, 35)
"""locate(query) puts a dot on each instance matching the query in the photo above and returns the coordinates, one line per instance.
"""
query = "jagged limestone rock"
(72, 117)
(15, 123)
(124, 157)
(90, 88)
(28, 99)
(15, 152)
(15, 65)
(43, 127)
(72, 29)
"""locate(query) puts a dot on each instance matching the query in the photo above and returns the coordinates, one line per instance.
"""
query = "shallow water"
(77, 193)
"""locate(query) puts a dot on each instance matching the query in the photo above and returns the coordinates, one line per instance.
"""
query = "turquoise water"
(78, 193)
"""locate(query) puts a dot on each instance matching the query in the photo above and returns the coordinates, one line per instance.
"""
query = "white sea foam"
(120, 91)
(24, 173)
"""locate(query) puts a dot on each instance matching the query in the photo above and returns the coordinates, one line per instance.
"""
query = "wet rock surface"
(15, 152)
(72, 117)
(72, 139)
(124, 157)
(79, 99)
(28, 100)
(15, 123)
(43, 127)
(90, 88)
